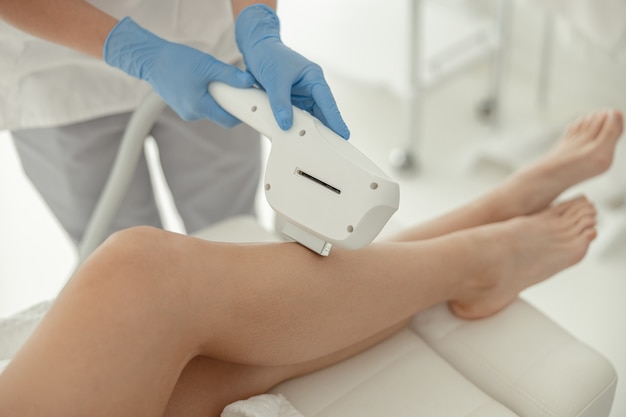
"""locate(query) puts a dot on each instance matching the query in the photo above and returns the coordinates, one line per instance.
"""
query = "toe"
(583, 207)
(575, 127)
(567, 205)
(586, 121)
(596, 122)
(585, 222)
(613, 126)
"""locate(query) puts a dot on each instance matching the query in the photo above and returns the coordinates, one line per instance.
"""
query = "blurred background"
(448, 97)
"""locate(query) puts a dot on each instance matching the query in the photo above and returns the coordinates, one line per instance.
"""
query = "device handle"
(250, 105)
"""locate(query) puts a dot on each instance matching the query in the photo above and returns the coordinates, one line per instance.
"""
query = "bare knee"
(139, 243)
(131, 247)
(136, 262)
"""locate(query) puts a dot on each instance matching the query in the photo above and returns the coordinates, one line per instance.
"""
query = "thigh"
(207, 385)
(213, 173)
(69, 166)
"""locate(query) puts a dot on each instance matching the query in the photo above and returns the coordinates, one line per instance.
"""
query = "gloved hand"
(178, 73)
(285, 75)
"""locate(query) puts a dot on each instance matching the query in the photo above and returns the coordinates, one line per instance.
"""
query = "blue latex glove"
(285, 75)
(178, 73)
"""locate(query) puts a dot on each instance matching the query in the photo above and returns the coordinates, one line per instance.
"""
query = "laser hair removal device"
(324, 190)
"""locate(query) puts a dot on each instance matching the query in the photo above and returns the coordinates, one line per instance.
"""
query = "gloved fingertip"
(340, 128)
(225, 120)
(241, 79)
(344, 133)
(284, 118)
(246, 79)
(285, 124)
(231, 123)
(215, 113)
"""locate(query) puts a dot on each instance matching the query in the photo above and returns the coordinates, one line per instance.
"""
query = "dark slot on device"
(317, 181)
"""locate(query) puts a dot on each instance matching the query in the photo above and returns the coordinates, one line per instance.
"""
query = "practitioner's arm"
(239, 5)
(126, 45)
(75, 23)
(72, 23)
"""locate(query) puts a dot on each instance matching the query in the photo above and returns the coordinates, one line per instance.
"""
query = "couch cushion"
(401, 376)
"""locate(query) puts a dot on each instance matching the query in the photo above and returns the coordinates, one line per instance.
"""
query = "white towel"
(266, 405)
(3, 364)
(15, 329)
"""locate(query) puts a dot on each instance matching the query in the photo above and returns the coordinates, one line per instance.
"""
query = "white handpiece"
(324, 190)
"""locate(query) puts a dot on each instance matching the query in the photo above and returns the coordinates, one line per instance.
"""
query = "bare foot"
(585, 150)
(527, 250)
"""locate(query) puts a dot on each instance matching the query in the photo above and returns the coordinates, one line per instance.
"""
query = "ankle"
(525, 192)
(502, 202)
(485, 264)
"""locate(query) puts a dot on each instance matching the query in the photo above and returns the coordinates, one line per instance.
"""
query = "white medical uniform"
(66, 112)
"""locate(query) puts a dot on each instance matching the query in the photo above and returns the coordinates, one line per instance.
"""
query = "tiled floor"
(588, 300)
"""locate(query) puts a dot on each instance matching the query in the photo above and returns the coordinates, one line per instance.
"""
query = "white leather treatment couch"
(515, 363)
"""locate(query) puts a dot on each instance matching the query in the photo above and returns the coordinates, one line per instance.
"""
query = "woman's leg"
(208, 385)
(521, 187)
(597, 146)
(147, 302)
(585, 150)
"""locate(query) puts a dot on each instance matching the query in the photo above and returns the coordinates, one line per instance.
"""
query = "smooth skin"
(156, 323)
